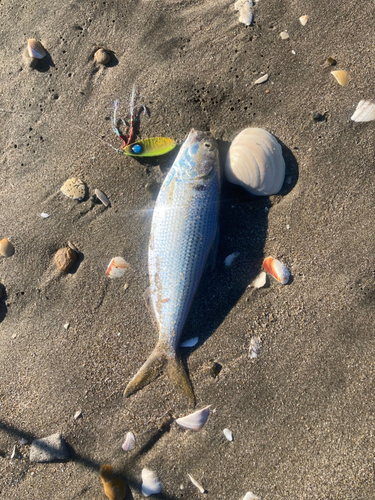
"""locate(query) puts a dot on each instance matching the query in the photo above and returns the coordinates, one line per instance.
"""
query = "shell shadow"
(43, 65)
(243, 226)
(3, 306)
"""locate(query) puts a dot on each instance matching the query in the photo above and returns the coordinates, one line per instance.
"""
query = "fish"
(183, 242)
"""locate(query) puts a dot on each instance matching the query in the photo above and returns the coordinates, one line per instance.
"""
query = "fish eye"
(137, 148)
(207, 145)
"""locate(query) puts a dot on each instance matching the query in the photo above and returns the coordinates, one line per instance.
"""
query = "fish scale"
(183, 232)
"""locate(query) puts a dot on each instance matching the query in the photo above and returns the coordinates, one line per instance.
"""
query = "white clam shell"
(195, 421)
(255, 162)
(129, 442)
(365, 112)
(36, 49)
(228, 434)
(254, 349)
(116, 267)
(150, 483)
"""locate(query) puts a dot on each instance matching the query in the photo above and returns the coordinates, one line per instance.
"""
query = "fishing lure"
(154, 146)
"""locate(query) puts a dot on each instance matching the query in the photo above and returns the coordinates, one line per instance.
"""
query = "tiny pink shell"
(276, 269)
(129, 442)
(36, 49)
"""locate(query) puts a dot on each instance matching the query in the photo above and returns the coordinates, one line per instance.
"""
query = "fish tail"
(159, 360)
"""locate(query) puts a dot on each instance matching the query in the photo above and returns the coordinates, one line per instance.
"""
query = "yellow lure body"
(154, 146)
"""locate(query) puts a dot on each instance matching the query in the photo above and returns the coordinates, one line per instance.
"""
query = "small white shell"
(284, 35)
(195, 421)
(150, 483)
(246, 14)
(260, 281)
(365, 112)
(195, 482)
(44, 215)
(250, 496)
(102, 197)
(36, 49)
(254, 349)
(190, 342)
(255, 162)
(229, 260)
(276, 269)
(303, 20)
(262, 79)
(228, 434)
(129, 442)
(116, 267)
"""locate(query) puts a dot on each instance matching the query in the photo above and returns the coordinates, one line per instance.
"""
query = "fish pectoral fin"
(149, 371)
(177, 374)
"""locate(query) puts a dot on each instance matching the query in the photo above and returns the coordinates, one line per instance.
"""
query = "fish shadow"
(243, 226)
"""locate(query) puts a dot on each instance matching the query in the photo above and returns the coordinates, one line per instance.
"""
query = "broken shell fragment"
(116, 267)
(102, 57)
(195, 482)
(228, 434)
(284, 35)
(229, 260)
(255, 162)
(129, 442)
(36, 49)
(341, 76)
(6, 248)
(190, 343)
(260, 281)
(303, 20)
(150, 483)
(365, 112)
(65, 258)
(250, 496)
(254, 349)
(102, 197)
(276, 269)
(74, 188)
(262, 79)
(195, 421)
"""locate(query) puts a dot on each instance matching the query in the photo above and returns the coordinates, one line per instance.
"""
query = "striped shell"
(255, 162)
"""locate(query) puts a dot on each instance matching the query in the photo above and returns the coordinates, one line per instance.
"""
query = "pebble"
(102, 57)
(49, 449)
(102, 197)
(74, 188)
(6, 248)
(284, 35)
(65, 258)
(318, 117)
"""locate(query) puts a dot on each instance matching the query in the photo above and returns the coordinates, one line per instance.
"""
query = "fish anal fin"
(149, 371)
(177, 374)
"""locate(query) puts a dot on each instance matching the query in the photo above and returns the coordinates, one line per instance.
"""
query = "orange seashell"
(116, 267)
(276, 269)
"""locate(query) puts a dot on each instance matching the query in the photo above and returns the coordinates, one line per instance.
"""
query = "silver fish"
(184, 236)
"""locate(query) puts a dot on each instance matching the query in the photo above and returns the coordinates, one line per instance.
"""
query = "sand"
(302, 412)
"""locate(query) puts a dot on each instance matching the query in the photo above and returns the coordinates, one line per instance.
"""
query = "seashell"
(13, 452)
(250, 496)
(74, 188)
(6, 248)
(44, 215)
(244, 8)
(102, 197)
(36, 49)
(365, 112)
(195, 482)
(195, 421)
(341, 76)
(73, 247)
(150, 483)
(190, 343)
(255, 162)
(102, 57)
(276, 269)
(262, 79)
(284, 35)
(303, 20)
(229, 260)
(260, 281)
(254, 349)
(65, 258)
(116, 267)
(129, 442)
(228, 434)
